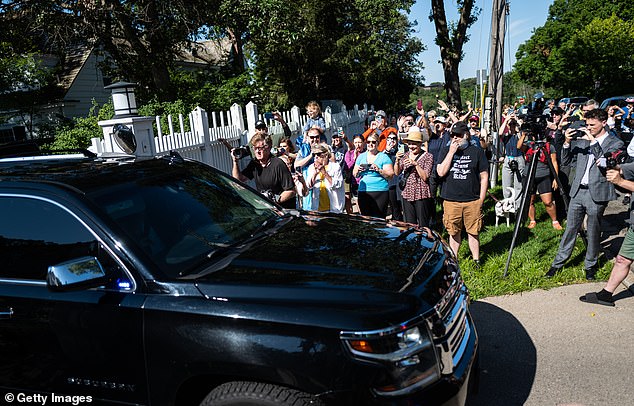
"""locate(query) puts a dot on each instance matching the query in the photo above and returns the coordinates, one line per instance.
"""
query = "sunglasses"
(371, 142)
(392, 138)
(457, 135)
(260, 148)
(313, 137)
(319, 154)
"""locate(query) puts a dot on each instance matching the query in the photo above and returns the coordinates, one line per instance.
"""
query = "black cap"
(260, 123)
(556, 110)
(460, 128)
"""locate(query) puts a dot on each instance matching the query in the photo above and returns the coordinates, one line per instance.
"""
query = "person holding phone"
(374, 169)
(326, 181)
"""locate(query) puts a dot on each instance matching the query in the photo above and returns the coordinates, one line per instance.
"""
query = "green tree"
(582, 43)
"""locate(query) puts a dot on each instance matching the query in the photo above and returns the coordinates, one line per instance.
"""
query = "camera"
(241, 152)
(534, 123)
(577, 125)
(514, 166)
(616, 158)
(278, 151)
(270, 195)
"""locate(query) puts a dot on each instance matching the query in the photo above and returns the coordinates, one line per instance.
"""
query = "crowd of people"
(405, 168)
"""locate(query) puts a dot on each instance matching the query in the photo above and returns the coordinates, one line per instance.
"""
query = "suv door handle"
(6, 313)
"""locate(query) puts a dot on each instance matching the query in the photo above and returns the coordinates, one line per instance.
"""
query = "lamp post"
(123, 99)
(126, 132)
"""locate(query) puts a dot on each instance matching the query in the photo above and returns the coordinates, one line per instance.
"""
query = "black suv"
(164, 281)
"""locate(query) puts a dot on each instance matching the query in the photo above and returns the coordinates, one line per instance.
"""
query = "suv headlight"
(406, 351)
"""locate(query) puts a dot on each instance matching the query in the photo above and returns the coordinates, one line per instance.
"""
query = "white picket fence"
(202, 141)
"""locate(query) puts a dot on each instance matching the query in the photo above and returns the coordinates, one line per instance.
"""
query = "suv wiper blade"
(227, 252)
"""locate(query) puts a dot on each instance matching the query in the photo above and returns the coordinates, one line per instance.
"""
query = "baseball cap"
(440, 119)
(460, 128)
(556, 110)
(380, 113)
(474, 118)
(260, 123)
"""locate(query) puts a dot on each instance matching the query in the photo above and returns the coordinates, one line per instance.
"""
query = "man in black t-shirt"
(464, 171)
(270, 173)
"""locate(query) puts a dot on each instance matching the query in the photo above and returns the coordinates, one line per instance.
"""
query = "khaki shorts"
(459, 214)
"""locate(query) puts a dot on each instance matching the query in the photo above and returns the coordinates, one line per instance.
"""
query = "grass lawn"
(533, 253)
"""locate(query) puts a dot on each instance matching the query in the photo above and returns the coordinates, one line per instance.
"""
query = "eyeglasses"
(457, 135)
(313, 137)
(431, 116)
(392, 138)
(371, 142)
(410, 123)
(319, 154)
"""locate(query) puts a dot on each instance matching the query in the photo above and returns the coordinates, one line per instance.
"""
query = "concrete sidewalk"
(548, 348)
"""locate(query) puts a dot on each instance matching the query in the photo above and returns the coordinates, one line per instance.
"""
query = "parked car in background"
(577, 100)
(166, 282)
(615, 101)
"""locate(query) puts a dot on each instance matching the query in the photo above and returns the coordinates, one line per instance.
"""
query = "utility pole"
(496, 73)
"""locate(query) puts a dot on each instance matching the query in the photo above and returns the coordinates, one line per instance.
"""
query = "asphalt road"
(548, 348)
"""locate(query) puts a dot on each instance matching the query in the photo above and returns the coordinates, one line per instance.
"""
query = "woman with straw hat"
(416, 165)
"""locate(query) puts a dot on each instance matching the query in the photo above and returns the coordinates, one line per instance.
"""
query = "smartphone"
(268, 115)
(340, 131)
(419, 104)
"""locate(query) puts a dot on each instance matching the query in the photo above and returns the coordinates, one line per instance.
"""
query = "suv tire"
(257, 394)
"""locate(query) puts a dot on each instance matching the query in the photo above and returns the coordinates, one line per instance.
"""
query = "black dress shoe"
(551, 272)
(591, 274)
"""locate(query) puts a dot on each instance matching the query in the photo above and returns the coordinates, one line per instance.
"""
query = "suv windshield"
(180, 215)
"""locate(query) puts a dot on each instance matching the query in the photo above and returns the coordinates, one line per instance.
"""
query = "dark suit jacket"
(600, 189)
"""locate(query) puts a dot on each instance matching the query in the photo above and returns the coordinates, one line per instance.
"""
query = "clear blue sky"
(523, 18)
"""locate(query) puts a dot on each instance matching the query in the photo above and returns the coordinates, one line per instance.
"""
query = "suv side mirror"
(76, 274)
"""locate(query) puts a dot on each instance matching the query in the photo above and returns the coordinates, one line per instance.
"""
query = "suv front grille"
(450, 328)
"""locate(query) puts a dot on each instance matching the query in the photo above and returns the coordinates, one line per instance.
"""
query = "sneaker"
(477, 263)
(551, 272)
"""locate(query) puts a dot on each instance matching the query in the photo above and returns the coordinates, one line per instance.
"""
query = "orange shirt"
(383, 137)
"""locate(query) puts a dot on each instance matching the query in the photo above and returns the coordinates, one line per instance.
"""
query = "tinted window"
(179, 216)
(35, 234)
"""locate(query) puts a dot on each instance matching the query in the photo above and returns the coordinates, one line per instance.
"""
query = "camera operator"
(270, 173)
(590, 191)
(623, 177)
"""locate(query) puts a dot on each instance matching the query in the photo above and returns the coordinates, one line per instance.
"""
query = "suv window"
(178, 218)
(35, 234)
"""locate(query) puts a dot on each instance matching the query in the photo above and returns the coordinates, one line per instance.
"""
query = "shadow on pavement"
(508, 358)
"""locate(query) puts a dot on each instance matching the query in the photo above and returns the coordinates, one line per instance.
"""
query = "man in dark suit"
(590, 191)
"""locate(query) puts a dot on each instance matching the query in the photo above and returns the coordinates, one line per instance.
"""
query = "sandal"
(532, 224)
(592, 298)
(557, 226)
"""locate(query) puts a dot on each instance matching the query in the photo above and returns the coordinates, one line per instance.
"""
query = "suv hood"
(341, 257)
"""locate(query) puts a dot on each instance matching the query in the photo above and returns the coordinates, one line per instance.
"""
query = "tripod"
(539, 148)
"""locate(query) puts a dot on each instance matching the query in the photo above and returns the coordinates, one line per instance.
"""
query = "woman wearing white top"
(326, 181)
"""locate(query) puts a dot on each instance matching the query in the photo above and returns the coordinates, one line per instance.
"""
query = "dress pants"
(581, 205)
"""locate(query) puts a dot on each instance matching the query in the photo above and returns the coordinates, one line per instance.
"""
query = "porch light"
(123, 99)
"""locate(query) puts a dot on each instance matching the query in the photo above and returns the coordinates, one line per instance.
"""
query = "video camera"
(616, 158)
(241, 152)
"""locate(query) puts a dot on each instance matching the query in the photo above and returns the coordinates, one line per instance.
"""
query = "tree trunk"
(238, 54)
(450, 43)
(452, 82)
